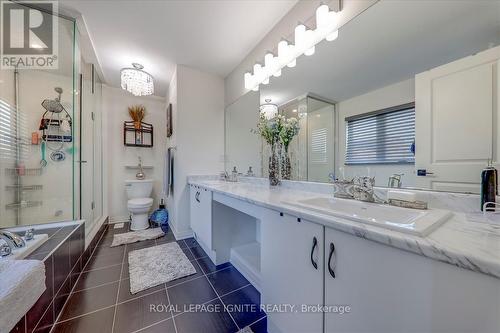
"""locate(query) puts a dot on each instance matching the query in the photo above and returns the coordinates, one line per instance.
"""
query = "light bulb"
(283, 53)
(257, 72)
(332, 29)
(300, 38)
(248, 80)
(322, 17)
(271, 64)
(309, 41)
(332, 36)
(310, 52)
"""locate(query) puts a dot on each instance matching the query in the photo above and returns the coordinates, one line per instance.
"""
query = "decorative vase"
(274, 167)
(286, 167)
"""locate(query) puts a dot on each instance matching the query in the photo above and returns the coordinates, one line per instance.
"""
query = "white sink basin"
(412, 221)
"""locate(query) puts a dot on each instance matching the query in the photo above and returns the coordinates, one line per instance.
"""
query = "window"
(318, 146)
(382, 137)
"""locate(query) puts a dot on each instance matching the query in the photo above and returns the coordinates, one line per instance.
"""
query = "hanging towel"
(170, 171)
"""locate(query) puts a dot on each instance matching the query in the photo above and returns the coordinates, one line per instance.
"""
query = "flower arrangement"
(288, 131)
(137, 113)
(278, 132)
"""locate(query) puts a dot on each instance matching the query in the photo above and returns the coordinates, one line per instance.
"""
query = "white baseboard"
(119, 219)
(245, 266)
(180, 234)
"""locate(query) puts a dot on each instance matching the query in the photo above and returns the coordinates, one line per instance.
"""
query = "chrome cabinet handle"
(315, 243)
(197, 196)
(332, 254)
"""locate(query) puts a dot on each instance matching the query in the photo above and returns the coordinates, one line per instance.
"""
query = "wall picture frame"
(169, 120)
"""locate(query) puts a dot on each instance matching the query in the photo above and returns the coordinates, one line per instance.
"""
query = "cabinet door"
(201, 216)
(288, 273)
(385, 288)
(450, 100)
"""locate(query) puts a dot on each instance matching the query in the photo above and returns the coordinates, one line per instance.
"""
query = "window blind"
(381, 137)
(8, 140)
(319, 146)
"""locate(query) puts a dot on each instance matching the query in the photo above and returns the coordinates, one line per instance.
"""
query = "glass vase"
(274, 167)
(286, 167)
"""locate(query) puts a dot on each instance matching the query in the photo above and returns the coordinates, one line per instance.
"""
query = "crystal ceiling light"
(137, 81)
(305, 42)
(268, 109)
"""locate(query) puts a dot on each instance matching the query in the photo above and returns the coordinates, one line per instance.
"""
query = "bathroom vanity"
(337, 274)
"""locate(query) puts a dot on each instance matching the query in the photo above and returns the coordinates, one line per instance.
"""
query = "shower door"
(91, 147)
(37, 138)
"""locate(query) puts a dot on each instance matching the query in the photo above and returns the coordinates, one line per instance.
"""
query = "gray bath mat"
(136, 236)
(155, 265)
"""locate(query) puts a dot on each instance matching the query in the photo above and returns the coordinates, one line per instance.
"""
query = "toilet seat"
(140, 203)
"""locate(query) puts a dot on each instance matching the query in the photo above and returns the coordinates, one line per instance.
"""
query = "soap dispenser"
(489, 187)
(234, 175)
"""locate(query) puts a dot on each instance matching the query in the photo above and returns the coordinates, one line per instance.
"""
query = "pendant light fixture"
(137, 81)
(305, 42)
(268, 109)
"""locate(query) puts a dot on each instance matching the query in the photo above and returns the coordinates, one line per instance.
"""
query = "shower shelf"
(24, 187)
(23, 204)
(27, 171)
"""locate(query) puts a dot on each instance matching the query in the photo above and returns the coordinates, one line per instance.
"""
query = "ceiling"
(210, 35)
(390, 42)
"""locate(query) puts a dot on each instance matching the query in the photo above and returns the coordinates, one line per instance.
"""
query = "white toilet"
(139, 203)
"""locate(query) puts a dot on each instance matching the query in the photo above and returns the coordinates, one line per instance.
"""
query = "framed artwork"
(169, 120)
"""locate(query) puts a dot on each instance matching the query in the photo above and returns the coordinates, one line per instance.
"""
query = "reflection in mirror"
(243, 148)
(416, 97)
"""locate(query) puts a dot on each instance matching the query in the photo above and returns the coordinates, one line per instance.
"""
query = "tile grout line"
(169, 303)
(255, 322)
(118, 291)
(56, 320)
(85, 314)
(216, 293)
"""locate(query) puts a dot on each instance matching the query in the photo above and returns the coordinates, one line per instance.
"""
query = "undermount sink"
(412, 221)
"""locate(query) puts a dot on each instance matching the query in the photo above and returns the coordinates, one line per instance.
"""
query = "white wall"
(392, 95)
(198, 133)
(115, 102)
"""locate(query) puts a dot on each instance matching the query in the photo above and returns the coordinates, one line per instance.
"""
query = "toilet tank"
(139, 188)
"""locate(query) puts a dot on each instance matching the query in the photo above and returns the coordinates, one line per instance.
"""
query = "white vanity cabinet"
(201, 216)
(292, 271)
(391, 291)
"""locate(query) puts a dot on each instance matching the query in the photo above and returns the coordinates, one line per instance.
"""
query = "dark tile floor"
(216, 299)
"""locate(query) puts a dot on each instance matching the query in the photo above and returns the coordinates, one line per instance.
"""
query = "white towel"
(23, 282)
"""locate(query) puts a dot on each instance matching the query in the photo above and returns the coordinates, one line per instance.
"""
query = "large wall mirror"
(410, 89)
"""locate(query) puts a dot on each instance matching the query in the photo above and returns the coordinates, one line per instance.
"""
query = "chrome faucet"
(395, 180)
(362, 189)
(13, 240)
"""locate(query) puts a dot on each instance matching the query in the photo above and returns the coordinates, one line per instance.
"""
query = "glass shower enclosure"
(39, 141)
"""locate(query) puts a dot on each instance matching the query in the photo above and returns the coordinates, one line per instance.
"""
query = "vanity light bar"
(305, 41)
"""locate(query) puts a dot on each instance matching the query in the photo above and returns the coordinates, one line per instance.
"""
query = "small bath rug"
(136, 236)
(155, 265)
(246, 329)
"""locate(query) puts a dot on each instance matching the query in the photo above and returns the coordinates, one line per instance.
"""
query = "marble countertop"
(460, 242)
